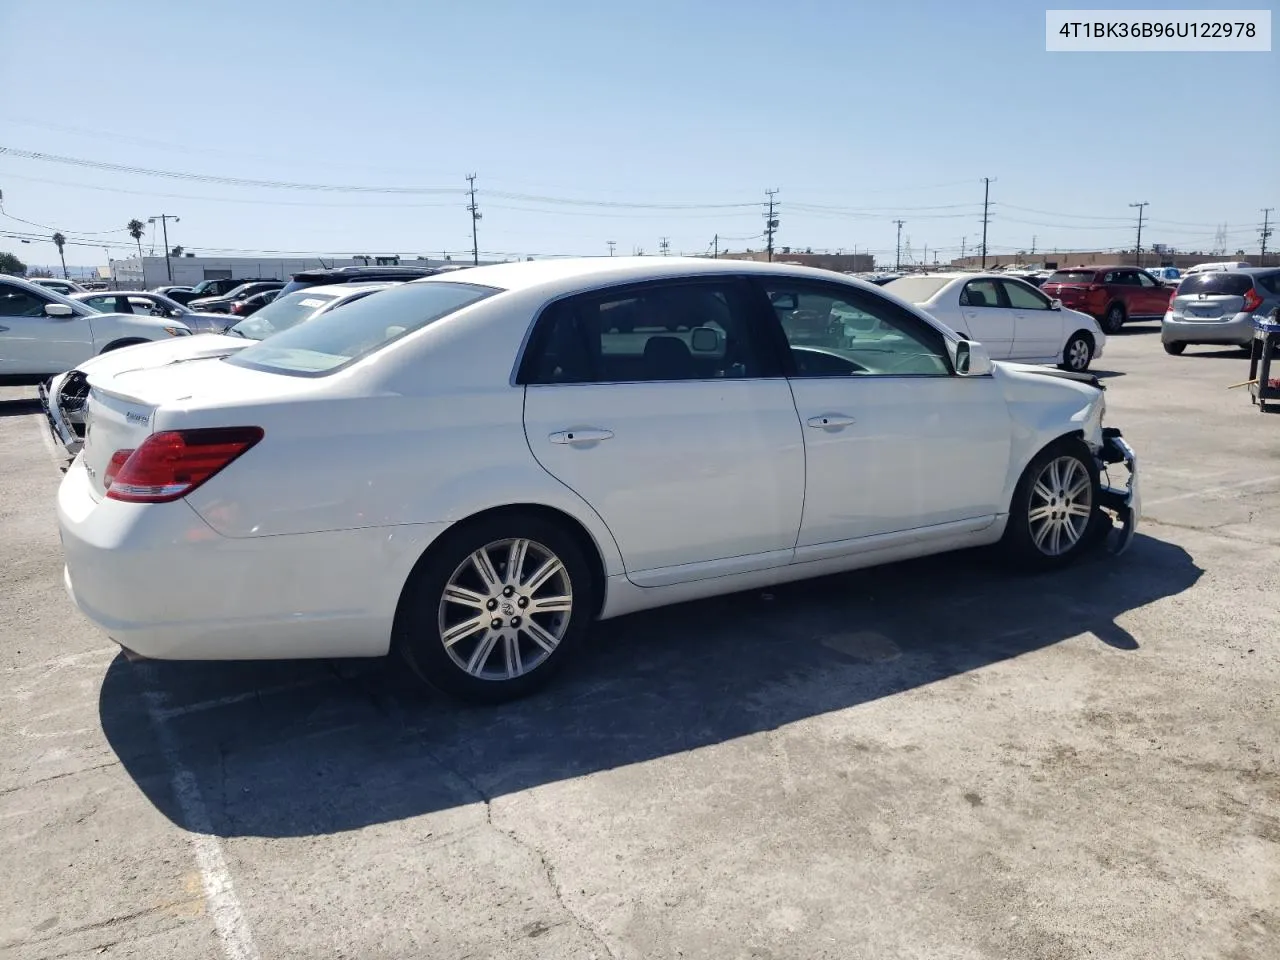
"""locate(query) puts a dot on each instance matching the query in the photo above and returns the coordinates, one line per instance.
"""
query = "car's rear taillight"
(1251, 301)
(171, 464)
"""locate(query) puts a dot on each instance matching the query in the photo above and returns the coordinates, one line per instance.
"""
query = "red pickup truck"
(1111, 295)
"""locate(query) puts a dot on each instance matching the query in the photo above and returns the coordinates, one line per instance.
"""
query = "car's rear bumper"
(63, 435)
(1236, 329)
(164, 585)
(1125, 502)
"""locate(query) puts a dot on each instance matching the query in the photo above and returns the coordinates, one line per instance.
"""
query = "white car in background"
(64, 287)
(471, 468)
(152, 304)
(1216, 266)
(64, 399)
(43, 333)
(1008, 316)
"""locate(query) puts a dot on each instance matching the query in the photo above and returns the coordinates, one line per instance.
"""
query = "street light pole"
(164, 219)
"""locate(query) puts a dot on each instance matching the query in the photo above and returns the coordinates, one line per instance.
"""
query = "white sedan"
(471, 468)
(1008, 316)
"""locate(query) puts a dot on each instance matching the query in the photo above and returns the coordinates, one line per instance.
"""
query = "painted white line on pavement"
(1225, 488)
(230, 924)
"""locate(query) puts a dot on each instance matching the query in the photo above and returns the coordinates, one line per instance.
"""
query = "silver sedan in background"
(156, 305)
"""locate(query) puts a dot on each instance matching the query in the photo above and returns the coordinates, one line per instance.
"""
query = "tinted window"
(837, 331)
(1230, 284)
(1072, 276)
(980, 293)
(697, 331)
(1269, 282)
(340, 337)
(16, 302)
(1023, 296)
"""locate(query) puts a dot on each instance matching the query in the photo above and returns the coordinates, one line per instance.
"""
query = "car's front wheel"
(1078, 353)
(495, 607)
(1055, 509)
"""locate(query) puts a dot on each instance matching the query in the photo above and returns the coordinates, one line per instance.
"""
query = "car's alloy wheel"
(505, 609)
(1114, 319)
(1077, 354)
(1061, 506)
(496, 606)
(1175, 348)
(1055, 513)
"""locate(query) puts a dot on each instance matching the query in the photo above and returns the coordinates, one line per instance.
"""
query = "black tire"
(117, 344)
(1019, 541)
(1175, 349)
(423, 609)
(1113, 319)
(1079, 346)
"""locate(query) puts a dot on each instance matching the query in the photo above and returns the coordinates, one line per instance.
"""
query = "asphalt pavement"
(935, 759)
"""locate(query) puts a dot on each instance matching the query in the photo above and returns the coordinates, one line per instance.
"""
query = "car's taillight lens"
(171, 464)
(1252, 301)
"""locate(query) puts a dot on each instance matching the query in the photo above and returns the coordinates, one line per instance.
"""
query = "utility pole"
(475, 219)
(770, 224)
(664, 246)
(1266, 232)
(1033, 244)
(1137, 252)
(962, 240)
(715, 243)
(986, 203)
(925, 258)
(897, 259)
(164, 219)
(612, 244)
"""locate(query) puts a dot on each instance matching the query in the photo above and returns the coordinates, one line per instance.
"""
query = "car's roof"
(343, 289)
(407, 271)
(954, 275)
(570, 274)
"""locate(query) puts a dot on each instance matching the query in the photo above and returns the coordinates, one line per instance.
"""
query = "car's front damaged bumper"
(1122, 503)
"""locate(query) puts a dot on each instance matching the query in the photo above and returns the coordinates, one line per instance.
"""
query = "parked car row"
(469, 469)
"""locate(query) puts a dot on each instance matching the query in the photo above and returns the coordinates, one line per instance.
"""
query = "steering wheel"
(823, 363)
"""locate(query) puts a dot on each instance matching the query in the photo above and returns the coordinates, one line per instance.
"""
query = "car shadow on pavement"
(275, 749)
(22, 407)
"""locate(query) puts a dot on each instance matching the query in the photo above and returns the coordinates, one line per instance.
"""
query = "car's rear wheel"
(1175, 348)
(496, 607)
(1113, 319)
(1055, 513)
(1078, 353)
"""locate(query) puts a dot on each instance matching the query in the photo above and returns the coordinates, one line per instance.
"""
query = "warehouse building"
(145, 273)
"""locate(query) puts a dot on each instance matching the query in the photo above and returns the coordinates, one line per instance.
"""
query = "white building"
(148, 272)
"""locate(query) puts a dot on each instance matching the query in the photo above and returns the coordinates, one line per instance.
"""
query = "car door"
(894, 442)
(34, 344)
(1037, 327)
(660, 405)
(987, 317)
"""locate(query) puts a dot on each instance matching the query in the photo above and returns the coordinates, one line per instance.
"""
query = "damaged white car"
(471, 468)
(63, 398)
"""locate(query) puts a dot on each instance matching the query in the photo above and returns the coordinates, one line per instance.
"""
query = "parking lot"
(937, 759)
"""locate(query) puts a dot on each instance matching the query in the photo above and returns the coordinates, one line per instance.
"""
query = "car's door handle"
(831, 421)
(584, 435)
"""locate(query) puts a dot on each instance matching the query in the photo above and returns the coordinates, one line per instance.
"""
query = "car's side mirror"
(1055, 304)
(971, 359)
(60, 310)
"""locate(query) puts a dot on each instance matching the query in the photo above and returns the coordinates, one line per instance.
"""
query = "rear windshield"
(1072, 276)
(342, 336)
(916, 289)
(280, 314)
(1220, 283)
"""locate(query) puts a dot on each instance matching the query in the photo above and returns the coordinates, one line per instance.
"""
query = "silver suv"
(1219, 307)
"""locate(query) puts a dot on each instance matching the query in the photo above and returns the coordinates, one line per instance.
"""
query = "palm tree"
(135, 230)
(59, 241)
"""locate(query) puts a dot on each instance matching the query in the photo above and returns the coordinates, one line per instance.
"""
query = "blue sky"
(879, 111)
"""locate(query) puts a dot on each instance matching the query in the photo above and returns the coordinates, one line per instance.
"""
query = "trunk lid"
(123, 405)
